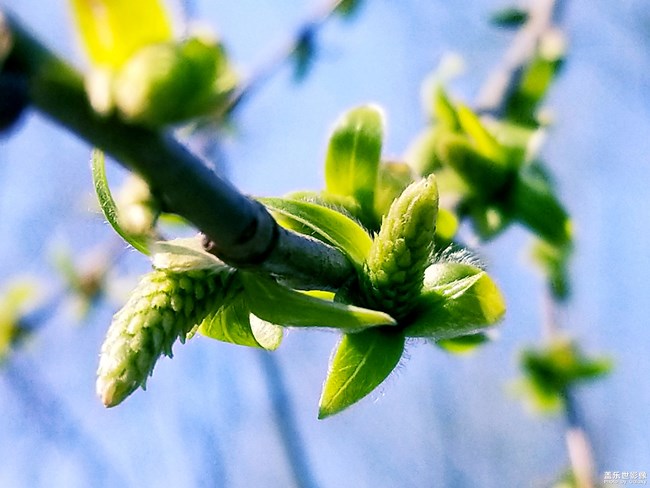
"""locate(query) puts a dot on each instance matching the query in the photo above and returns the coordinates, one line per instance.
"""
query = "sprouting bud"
(169, 83)
(400, 253)
(164, 307)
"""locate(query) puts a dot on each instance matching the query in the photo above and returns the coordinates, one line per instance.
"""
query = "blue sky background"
(207, 418)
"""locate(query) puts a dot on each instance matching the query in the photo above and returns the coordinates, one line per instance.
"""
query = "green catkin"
(394, 268)
(164, 307)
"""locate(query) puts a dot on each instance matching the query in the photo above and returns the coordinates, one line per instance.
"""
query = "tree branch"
(240, 231)
(494, 92)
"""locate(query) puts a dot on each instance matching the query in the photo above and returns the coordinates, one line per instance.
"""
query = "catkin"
(164, 307)
(394, 268)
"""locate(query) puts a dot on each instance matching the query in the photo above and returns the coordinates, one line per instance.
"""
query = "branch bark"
(239, 230)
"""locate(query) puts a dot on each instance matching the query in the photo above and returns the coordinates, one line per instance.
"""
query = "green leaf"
(361, 363)
(185, 254)
(444, 110)
(485, 176)
(553, 261)
(463, 344)
(348, 8)
(112, 30)
(533, 203)
(510, 17)
(14, 301)
(457, 299)
(280, 305)
(304, 54)
(484, 142)
(446, 228)
(488, 220)
(107, 204)
(353, 155)
(233, 323)
(323, 223)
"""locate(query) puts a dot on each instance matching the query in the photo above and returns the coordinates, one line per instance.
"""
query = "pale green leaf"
(112, 30)
(280, 305)
(353, 155)
(463, 344)
(267, 335)
(361, 363)
(233, 323)
(485, 142)
(323, 223)
(457, 299)
(108, 206)
(185, 254)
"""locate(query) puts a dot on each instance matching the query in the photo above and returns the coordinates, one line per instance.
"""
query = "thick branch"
(240, 230)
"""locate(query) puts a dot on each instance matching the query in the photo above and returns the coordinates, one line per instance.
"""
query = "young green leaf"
(444, 111)
(353, 155)
(533, 203)
(457, 299)
(361, 363)
(323, 223)
(232, 323)
(463, 344)
(484, 142)
(112, 30)
(510, 17)
(280, 305)
(107, 204)
(485, 176)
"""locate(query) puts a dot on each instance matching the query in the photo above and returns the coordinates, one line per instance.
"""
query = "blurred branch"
(240, 231)
(285, 420)
(55, 421)
(542, 15)
(308, 29)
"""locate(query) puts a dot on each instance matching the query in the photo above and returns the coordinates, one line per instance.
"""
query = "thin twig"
(308, 27)
(494, 92)
(543, 15)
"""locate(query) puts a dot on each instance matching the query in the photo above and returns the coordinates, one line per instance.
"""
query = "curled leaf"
(233, 323)
(361, 363)
(108, 206)
(457, 299)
